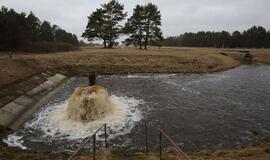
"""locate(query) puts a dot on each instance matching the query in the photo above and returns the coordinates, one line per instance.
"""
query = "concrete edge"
(14, 114)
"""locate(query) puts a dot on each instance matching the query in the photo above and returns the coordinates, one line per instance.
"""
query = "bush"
(48, 47)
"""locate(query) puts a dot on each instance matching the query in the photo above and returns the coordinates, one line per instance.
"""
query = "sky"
(178, 16)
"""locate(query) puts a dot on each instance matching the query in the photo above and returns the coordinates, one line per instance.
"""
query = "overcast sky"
(178, 16)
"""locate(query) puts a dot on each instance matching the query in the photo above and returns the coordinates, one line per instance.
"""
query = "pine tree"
(95, 29)
(104, 23)
(135, 27)
(33, 26)
(144, 26)
(46, 32)
(153, 23)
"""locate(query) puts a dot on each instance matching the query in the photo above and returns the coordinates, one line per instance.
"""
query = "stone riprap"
(13, 110)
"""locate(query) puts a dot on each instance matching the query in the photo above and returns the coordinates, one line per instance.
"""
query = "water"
(228, 109)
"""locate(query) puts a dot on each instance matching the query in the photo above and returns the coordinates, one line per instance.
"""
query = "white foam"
(159, 76)
(208, 78)
(14, 141)
(183, 88)
(137, 76)
(54, 123)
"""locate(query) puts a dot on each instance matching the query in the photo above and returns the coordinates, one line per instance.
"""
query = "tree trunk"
(140, 43)
(147, 35)
(140, 39)
(104, 44)
(146, 42)
(110, 43)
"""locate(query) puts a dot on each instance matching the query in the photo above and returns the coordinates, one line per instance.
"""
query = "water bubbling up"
(89, 104)
(54, 123)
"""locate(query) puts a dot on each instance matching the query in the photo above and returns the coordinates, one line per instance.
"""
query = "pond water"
(229, 109)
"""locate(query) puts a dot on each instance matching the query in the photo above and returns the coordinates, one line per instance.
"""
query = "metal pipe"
(86, 140)
(146, 137)
(179, 151)
(105, 128)
(160, 145)
(94, 147)
(92, 79)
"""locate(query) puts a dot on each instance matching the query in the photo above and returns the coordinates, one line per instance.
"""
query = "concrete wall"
(15, 109)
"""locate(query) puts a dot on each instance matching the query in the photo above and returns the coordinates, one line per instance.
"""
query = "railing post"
(160, 145)
(105, 128)
(146, 137)
(52, 146)
(94, 146)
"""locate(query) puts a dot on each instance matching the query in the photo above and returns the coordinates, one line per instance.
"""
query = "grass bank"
(115, 61)
(257, 152)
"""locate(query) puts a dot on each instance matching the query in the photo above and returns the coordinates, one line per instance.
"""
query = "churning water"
(229, 109)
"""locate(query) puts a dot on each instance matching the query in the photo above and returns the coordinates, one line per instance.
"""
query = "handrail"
(179, 151)
(88, 139)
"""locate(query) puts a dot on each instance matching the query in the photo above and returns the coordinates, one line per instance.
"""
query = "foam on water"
(15, 141)
(183, 88)
(54, 123)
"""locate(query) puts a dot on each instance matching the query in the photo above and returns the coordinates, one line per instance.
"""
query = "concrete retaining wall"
(15, 109)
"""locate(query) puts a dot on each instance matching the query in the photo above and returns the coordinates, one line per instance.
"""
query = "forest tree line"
(254, 37)
(20, 31)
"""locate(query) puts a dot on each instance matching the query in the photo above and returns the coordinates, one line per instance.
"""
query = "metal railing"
(88, 139)
(180, 152)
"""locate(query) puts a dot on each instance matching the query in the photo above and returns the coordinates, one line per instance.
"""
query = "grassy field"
(116, 61)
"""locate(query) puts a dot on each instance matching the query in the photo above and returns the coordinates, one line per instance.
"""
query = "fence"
(88, 139)
(162, 135)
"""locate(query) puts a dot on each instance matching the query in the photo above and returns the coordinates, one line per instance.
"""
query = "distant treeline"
(19, 31)
(255, 37)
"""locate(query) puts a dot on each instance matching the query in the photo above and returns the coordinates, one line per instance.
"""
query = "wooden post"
(146, 138)
(105, 128)
(160, 145)
(94, 146)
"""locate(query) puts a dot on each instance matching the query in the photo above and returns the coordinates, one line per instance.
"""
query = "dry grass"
(169, 60)
(258, 152)
(259, 55)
